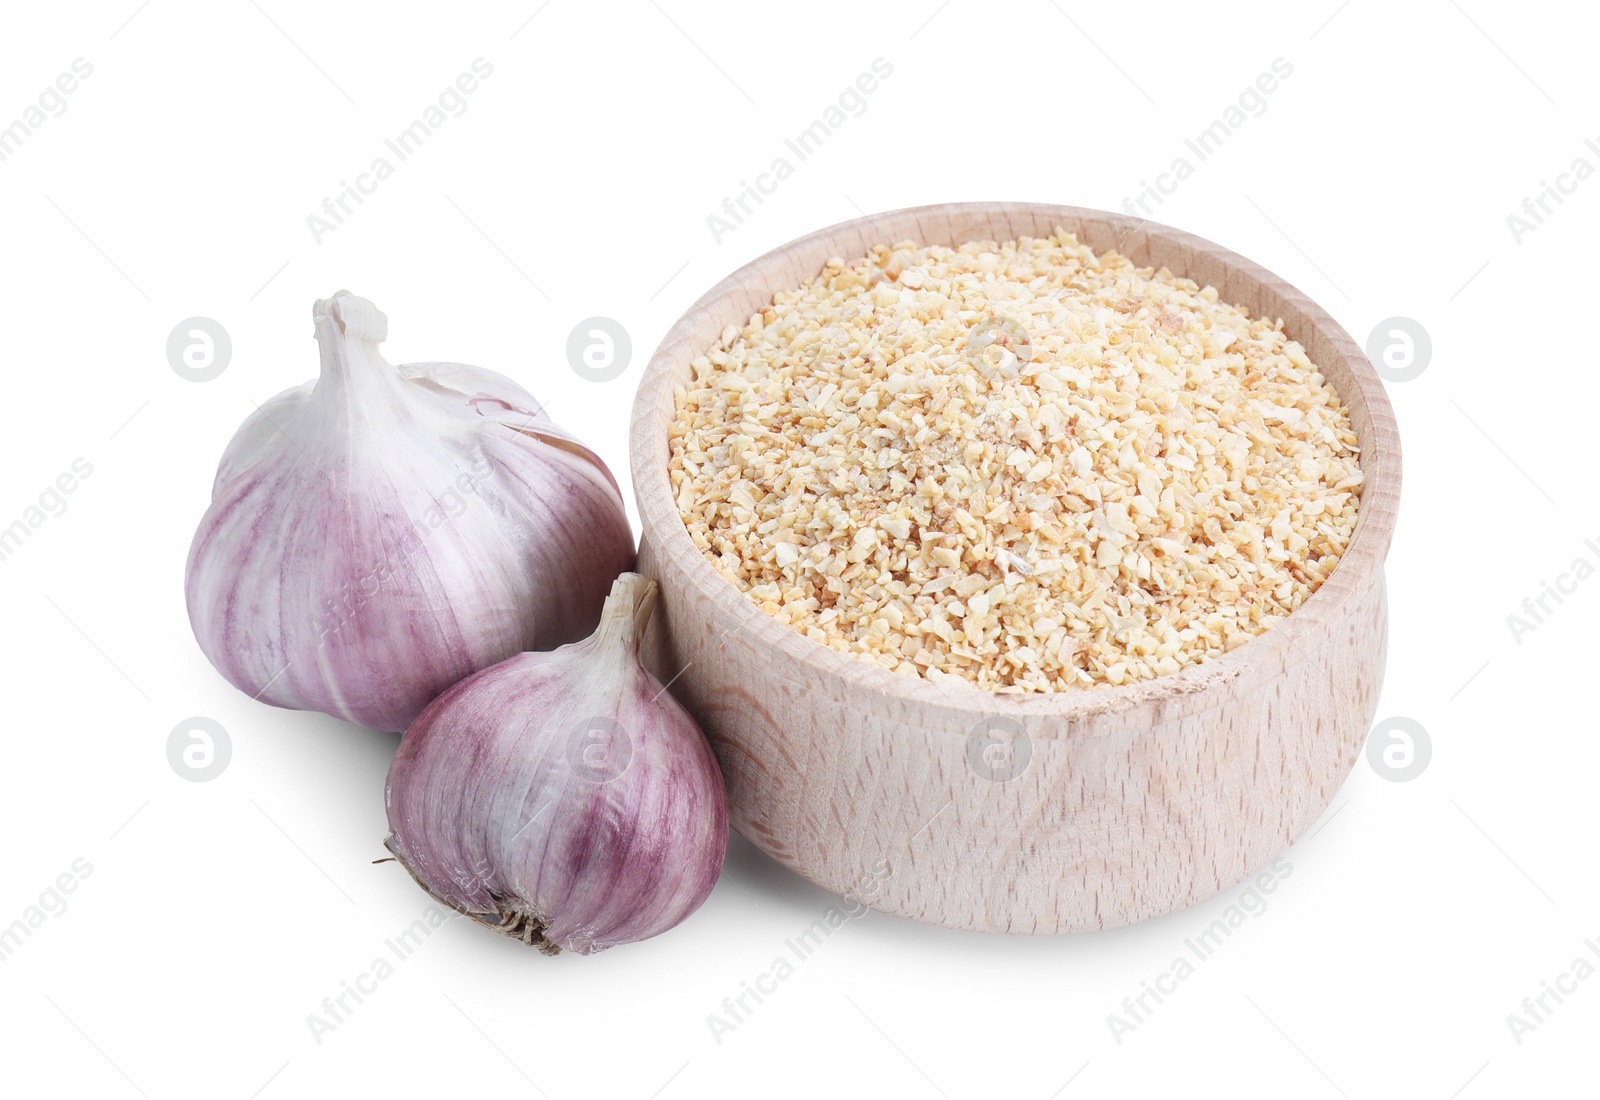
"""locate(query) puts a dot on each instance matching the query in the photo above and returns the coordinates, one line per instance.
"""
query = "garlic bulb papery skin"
(563, 798)
(381, 532)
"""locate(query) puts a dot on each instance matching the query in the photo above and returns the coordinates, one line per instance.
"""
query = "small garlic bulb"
(563, 798)
(381, 532)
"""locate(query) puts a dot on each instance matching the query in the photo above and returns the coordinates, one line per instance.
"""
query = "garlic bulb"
(379, 533)
(563, 798)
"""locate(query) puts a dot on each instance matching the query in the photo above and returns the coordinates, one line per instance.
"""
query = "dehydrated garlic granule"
(1022, 464)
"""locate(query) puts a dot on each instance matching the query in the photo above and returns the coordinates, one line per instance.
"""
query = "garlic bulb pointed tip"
(355, 318)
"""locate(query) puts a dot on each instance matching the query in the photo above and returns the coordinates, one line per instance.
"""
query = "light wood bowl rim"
(1189, 691)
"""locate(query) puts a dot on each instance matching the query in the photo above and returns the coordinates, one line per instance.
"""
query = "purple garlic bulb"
(381, 532)
(563, 798)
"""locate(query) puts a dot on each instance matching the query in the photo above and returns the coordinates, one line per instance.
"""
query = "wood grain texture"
(1130, 801)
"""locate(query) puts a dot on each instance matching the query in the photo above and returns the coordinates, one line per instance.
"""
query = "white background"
(219, 915)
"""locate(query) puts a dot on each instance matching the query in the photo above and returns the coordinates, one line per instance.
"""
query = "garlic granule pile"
(1023, 464)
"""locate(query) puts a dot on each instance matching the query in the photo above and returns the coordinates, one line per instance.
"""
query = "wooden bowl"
(1049, 812)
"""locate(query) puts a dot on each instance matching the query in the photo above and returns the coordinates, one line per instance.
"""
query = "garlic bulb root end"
(513, 918)
(522, 923)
